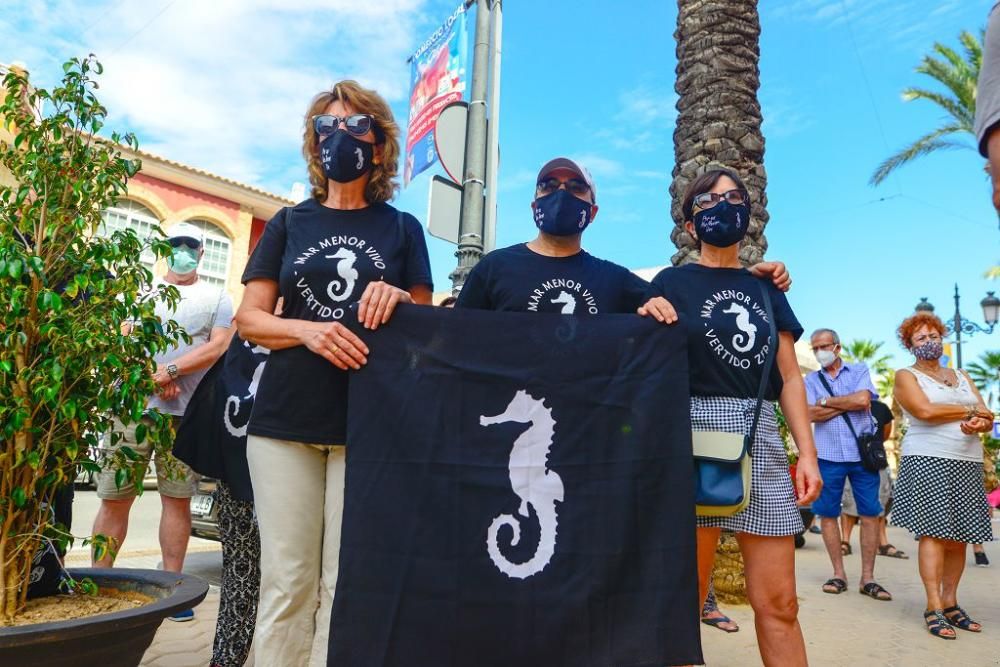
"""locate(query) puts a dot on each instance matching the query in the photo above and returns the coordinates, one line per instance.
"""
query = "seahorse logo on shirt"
(567, 301)
(742, 341)
(233, 402)
(340, 289)
(532, 482)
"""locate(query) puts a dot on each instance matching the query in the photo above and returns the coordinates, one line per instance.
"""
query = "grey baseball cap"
(572, 165)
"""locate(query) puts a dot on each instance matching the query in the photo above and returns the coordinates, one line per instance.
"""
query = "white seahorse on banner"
(568, 302)
(531, 481)
(233, 402)
(348, 275)
(748, 328)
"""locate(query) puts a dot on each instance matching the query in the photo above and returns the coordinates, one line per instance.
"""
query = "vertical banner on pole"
(437, 78)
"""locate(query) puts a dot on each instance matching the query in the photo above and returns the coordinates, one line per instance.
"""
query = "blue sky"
(223, 86)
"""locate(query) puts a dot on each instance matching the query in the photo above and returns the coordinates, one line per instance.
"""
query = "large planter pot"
(110, 640)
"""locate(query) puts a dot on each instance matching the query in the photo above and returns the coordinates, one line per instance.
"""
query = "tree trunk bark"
(719, 117)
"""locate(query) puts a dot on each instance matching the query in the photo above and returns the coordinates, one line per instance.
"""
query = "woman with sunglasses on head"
(728, 350)
(939, 493)
(342, 247)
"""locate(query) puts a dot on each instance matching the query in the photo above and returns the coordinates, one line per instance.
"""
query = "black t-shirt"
(882, 415)
(519, 279)
(322, 260)
(728, 328)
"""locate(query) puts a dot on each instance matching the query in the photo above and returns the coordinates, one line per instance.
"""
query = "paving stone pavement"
(840, 630)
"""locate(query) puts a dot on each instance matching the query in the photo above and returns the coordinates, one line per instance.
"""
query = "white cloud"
(221, 84)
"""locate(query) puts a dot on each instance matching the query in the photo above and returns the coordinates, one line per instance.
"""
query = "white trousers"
(299, 500)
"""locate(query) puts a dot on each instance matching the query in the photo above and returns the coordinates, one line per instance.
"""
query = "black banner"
(519, 492)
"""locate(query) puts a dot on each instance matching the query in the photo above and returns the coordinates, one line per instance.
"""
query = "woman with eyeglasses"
(345, 246)
(939, 493)
(721, 304)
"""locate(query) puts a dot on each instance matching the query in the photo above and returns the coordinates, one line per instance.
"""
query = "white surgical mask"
(825, 358)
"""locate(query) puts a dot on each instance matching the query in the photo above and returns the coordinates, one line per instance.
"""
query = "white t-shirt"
(945, 441)
(200, 309)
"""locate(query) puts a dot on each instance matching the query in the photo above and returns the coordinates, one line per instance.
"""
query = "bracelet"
(970, 413)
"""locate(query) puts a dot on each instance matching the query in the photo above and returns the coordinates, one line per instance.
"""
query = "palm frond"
(961, 83)
(973, 47)
(993, 272)
(926, 144)
(965, 116)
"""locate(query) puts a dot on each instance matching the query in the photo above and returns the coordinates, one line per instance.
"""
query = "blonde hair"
(382, 185)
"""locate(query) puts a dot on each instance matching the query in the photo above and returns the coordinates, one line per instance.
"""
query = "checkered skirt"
(942, 498)
(772, 510)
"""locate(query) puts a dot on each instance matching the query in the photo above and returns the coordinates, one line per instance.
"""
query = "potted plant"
(77, 336)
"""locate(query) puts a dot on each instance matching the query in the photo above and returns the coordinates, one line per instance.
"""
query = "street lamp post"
(959, 325)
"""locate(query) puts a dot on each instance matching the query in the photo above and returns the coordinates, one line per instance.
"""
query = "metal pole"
(493, 131)
(470, 229)
(958, 331)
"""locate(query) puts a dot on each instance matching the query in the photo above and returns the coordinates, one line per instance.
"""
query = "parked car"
(205, 511)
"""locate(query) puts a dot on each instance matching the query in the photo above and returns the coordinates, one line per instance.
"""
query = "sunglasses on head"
(710, 199)
(357, 124)
(576, 186)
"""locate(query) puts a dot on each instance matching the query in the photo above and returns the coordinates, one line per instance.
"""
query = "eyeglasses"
(576, 186)
(357, 124)
(710, 199)
(184, 241)
(828, 346)
(924, 338)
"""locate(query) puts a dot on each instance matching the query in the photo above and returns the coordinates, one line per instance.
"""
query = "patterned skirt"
(942, 498)
(772, 510)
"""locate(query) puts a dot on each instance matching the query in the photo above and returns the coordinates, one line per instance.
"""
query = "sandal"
(938, 625)
(892, 552)
(876, 592)
(838, 586)
(957, 617)
(845, 548)
(718, 620)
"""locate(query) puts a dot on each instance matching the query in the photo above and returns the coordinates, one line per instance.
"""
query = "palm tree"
(958, 75)
(719, 117)
(985, 373)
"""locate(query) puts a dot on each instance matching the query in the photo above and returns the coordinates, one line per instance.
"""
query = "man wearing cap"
(553, 273)
(205, 312)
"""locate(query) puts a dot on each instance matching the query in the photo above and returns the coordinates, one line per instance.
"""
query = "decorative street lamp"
(959, 325)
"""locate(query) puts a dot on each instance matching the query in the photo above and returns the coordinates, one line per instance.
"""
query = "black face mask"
(344, 157)
(722, 225)
(561, 214)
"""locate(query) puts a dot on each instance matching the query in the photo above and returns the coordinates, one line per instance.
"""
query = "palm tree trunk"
(729, 576)
(719, 118)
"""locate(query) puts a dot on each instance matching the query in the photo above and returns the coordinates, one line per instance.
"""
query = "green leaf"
(121, 476)
(32, 459)
(140, 434)
(18, 496)
(57, 371)
(127, 451)
(15, 269)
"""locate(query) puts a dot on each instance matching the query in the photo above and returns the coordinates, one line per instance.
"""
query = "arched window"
(128, 214)
(214, 267)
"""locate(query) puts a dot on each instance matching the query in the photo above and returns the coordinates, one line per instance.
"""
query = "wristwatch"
(822, 401)
(172, 371)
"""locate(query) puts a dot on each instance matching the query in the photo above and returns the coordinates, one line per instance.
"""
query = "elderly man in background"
(839, 392)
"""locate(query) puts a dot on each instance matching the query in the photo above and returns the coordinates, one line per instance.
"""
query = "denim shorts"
(864, 484)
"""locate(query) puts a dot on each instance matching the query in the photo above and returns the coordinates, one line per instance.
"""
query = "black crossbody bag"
(871, 449)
